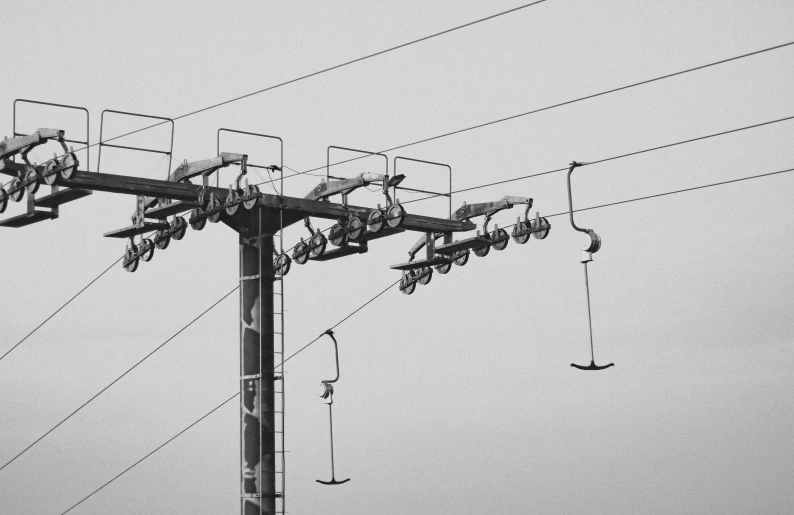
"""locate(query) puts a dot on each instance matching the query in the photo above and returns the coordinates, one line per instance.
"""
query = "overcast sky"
(459, 398)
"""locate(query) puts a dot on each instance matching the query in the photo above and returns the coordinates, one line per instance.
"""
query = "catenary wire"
(100, 392)
(216, 408)
(553, 106)
(213, 410)
(614, 158)
(674, 192)
(95, 279)
(65, 304)
(324, 70)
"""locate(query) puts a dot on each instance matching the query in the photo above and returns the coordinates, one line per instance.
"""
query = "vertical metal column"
(257, 409)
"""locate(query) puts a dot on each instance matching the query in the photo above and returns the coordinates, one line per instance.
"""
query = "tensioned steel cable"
(326, 70)
(100, 392)
(735, 58)
(523, 177)
(392, 285)
(553, 106)
(674, 192)
(614, 158)
(213, 410)
(340, 322)
(95, 279)
(216, 408)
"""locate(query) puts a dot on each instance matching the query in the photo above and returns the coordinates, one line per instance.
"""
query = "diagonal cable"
(100, 392)
(213, 410)
(60, 308)
(392, 285)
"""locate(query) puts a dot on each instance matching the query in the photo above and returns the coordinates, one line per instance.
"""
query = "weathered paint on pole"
(257, 423)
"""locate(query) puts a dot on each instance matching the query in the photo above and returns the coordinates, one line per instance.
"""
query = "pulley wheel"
(3, 200)
(520, 238)
(336, 235)
(16, 190)
(162, 239)
(424, 275)
(301, 253)
(407, 284)
(317, 244)
(395, 216)
(68, 165)
(544, 227)
(232, 203)
(375, 220)
(195, 222)
(214, 217)
(482, 251)
(251, 197)
(282, 264)
(179, 228)
(50, 172)
(590, 242)
(460, 257)
(147, 250)
(32, 181)
(444, 268)
(130, 259)
(355, 228)
(500, 239)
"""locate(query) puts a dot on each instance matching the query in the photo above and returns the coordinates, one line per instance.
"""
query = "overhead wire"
(130, 369)
(325, 70)
(216, 408)
(560, 104)
(319, 72)
(392, 285)
(681, 72)
(614, 158)
(213, 410)
(480, 186)
(95, 279)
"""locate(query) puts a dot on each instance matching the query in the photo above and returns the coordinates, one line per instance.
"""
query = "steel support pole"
(257, 415)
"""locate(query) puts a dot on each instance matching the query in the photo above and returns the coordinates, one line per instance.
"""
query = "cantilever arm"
(330, 333)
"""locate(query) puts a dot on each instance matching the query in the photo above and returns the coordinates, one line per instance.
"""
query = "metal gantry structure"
(260, 219)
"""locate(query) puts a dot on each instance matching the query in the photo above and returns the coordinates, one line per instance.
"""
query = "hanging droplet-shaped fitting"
(590, 241)
(326, 390)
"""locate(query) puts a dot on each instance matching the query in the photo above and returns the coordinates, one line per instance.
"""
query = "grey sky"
(459, 398)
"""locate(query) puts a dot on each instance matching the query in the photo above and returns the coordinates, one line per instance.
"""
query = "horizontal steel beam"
(124, 184)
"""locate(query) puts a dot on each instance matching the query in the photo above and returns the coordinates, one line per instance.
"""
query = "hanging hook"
(589, 244)
(327, 392)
